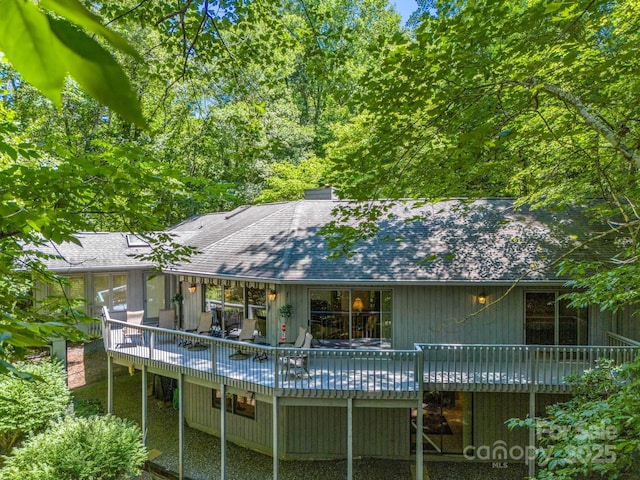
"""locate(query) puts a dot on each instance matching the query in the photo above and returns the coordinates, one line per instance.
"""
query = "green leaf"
(27, 41)
(553, 7)
(75, 12)
(97, 71)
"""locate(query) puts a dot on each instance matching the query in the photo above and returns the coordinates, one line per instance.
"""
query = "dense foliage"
(27, 406)
(536, 100)
(97, 448)
(169, 111)
(597, 431)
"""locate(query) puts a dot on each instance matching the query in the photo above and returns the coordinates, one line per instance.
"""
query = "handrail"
(488, 367)
(619, 340)
(362, 372)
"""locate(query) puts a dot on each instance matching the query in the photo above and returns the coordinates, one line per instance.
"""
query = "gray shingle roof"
(98, 251)
(454, 241)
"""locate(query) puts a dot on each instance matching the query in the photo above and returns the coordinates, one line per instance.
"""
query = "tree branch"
(590, 119)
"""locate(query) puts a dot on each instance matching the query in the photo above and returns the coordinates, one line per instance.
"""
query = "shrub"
(87, 408)
(29, 405)
(75, 448)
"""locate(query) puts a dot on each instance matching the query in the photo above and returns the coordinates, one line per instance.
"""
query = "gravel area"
(202, 451)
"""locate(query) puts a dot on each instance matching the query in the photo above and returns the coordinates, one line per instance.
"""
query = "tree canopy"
(153, 112)
(536, 100)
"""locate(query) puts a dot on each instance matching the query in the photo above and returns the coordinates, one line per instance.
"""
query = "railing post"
(109, 384)
(531, 462)
(181, 425)
(144, 404)
(275, 437)
(419, 417)
(350, 438)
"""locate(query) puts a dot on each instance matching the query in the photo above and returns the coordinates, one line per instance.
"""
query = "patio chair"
(299, 341)
(167, 319)
(247, 334)
(204, 325)
(299, 362)
(203, 328)
(133, 318)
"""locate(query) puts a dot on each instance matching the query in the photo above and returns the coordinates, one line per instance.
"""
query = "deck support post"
(223, 431)
(531, 461)
(419, 368)
(144, 404)
(349, 438)
(181, 426)
(275, 440)
(110, 385)
(419, 434)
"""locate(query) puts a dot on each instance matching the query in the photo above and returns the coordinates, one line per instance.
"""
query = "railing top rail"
(620, 338)
(280, 348)
(517, 345)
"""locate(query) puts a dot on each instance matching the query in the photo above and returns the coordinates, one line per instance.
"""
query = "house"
(427, 337)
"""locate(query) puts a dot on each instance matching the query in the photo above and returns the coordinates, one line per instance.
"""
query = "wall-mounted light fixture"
(358, 305)
(192, 288)
(482, 298)
(271, 296)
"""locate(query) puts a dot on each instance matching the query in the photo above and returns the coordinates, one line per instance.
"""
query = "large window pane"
(540, 318)
(257, 308)
(119, 291)
(233, 306)
(101, 291)
(550, 321)
(213, 302)
(155, 296)
(330, 314)
(351, 318)
(572, 324)
(110, 290)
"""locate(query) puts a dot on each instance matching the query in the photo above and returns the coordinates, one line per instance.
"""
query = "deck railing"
(319, 372)
(518, 368)
(291, 371)
(613, 339)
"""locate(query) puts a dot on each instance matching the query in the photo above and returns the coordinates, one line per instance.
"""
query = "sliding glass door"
(351, 318)
(550, 320)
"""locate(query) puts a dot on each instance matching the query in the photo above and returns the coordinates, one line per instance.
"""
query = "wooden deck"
(342, 373)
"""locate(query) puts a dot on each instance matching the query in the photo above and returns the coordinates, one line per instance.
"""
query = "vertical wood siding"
(321, 432)
(441, 314)
(252, 433)
(491, 411)
(306, 432)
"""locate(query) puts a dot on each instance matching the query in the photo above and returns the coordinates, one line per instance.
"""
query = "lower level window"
(235, 404)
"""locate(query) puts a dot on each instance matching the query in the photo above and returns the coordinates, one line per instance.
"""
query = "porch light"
(192, 288)
(271, 296)
(357, 304)
(482, 298)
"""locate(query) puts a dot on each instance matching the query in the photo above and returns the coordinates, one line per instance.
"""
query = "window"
(155, 295)
(445, 420)
(71, 287)
(351, 318)
(550, 320)
(110, 290)
(231, 301)
(235, 404)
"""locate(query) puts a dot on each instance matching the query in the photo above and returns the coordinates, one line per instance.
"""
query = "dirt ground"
(87, 364)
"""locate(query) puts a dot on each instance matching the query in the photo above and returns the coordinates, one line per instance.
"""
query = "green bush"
(74, 448)
(28, 406)
(88, 407)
